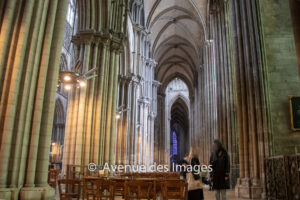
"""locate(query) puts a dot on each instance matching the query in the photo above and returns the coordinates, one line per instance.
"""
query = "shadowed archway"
(179, 127)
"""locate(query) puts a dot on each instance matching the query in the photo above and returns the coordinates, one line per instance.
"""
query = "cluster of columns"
(252, 120)
(206, 110)
(124, 86)
(31, 38)
(220, 31)
(136, 102)
(240, 86)
(91, 111)
(91, 117)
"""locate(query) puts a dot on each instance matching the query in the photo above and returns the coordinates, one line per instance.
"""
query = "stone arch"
(58, 133)
(59, 112)
(63, 66)
(178, 122)
(181, 97)
(180, 76)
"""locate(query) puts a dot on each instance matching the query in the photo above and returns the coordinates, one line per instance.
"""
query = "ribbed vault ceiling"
(177, 34)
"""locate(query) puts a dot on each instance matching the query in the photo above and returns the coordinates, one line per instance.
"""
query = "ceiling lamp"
(74, 79)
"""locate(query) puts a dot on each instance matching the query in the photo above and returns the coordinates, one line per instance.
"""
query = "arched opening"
(177, 41)
(177, 120)
(179, 127)
(58, 135)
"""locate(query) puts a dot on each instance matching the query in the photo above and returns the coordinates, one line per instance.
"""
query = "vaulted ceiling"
(178, 31)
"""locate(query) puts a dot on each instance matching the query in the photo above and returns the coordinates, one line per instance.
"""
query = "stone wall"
(282, 72)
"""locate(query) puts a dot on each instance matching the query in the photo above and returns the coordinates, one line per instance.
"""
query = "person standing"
(220, 162)
(195, 190)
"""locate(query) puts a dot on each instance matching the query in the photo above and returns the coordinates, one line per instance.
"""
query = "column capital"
(130, 78)
(115, 40)
(140, 29)
(144, 101)
(151, 62)
(152, 115)
(163, 95)
(156, 83)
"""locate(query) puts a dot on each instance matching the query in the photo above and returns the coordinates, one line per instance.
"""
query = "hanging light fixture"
(120, 110)
(73, 79)
(68, 87)
(82, 83)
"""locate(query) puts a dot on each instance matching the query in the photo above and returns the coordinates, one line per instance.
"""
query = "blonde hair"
(193, 153)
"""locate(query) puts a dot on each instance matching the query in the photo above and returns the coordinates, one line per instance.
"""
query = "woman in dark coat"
(220, 162)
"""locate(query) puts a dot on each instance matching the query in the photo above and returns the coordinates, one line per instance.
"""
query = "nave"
(208, 83)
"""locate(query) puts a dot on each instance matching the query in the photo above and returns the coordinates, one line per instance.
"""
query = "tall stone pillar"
(242, 87)
(220, 19)
(30, 42)
(91, 118)
(252, 121)
(125, 122)
(159, 137)
(122, 121)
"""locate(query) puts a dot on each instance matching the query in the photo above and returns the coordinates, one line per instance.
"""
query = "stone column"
(126, 123)
(121, 103)
(91, 119)
(92, 139)
(159, 137)
(133, 130)
(30, 43)
(220, 20)
(253, 128)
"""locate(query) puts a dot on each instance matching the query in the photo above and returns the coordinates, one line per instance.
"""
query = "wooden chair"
(140, 189)
(90, 188)
(120, 187)
(71, 190)
(172, 175)
(52, 177)
(174, 189)
(105, 189)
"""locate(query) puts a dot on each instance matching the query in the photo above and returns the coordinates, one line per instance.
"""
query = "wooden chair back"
(140, 189)
(172, 175)
(106, 189)
(90, 188)
(52, 177)
(174, 189)
(120, 187)
(69, 189)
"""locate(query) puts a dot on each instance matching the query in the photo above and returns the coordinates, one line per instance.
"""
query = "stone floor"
(208, 195)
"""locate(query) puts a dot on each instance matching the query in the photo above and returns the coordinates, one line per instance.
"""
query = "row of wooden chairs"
(159, 175)
(101, 188)
(134, 189)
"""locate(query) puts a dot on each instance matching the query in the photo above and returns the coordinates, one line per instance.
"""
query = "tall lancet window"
(71, 12)
(138, 12)
(174, 145)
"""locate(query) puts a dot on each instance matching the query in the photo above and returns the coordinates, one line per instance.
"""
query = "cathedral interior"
(142, 82)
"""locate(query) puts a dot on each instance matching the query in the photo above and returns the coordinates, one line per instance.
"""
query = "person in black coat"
(220, 162)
